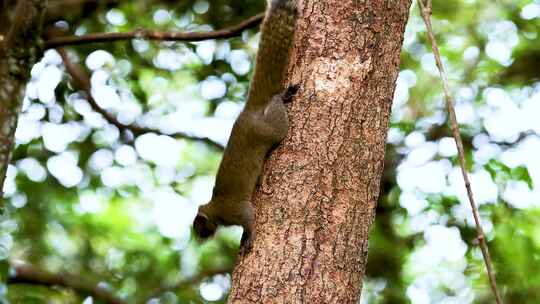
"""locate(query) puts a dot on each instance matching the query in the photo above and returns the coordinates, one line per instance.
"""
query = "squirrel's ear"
(203, 226)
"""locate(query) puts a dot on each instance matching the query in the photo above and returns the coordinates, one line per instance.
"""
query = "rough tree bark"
(317, 198)
(19, 50)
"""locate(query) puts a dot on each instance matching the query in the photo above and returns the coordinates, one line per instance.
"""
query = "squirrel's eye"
(203, 227)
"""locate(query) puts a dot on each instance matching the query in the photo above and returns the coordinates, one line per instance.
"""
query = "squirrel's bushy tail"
(277, 34)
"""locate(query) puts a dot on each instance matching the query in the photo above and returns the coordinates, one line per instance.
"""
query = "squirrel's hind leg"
(275, 115)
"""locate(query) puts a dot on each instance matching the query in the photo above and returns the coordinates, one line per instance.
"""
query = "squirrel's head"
(204, 227)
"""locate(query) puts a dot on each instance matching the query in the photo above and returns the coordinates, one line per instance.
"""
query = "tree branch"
(19, 50)
(28, 274)
(229, 32)
(425, 11)
(81, 80)
(186, 282)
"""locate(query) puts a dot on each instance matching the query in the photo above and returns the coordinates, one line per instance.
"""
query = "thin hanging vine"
(425, 11)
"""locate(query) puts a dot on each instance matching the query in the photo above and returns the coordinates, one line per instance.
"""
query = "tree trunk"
(317, 198)
(18, 52)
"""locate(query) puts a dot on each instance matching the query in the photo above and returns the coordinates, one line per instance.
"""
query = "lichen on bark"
(317, 198)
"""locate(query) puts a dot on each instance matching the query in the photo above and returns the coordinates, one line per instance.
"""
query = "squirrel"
(261, 126)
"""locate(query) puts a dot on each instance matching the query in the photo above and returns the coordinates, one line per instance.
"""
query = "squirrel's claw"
(291, 90)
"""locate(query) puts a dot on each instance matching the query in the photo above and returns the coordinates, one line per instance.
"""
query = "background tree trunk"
(19, 50)
(317, 198)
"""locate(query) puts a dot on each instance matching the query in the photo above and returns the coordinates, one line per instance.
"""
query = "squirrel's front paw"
(246, 242)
